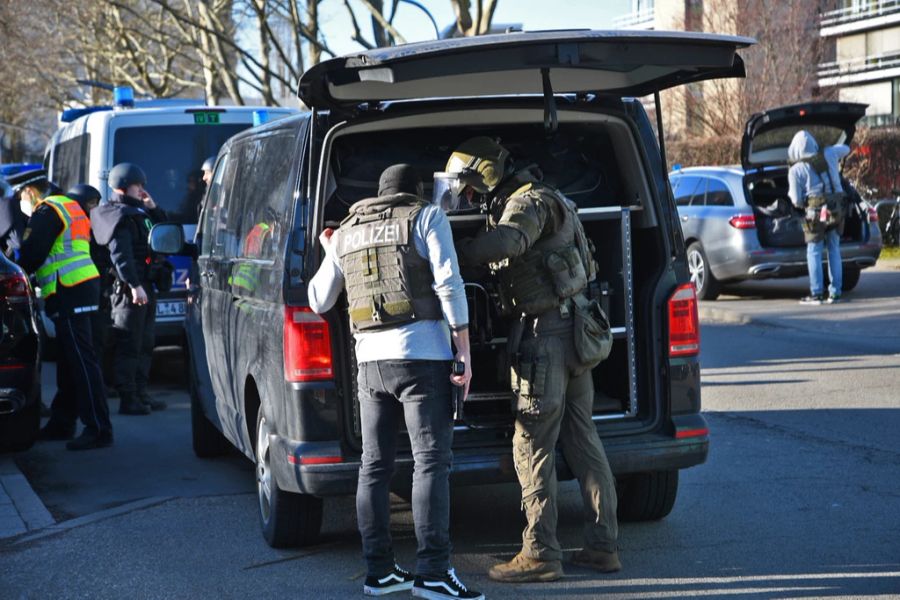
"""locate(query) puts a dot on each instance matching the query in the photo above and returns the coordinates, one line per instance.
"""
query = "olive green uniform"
(530, 244)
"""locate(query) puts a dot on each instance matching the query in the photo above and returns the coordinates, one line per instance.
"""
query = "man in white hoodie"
(813, 180)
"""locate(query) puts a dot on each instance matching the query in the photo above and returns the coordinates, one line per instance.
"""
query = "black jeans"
(79, 382)
(134, 333)
(417, 391)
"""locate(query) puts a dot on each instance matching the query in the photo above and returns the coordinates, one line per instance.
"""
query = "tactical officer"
(123, 225)
(88, 198)
(536, 246)
(395, 255)
(207, 168)
(56, 248)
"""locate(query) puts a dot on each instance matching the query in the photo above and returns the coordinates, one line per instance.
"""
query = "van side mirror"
(168, 238)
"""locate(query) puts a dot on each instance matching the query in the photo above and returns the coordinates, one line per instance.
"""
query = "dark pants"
(133, 335)
(417, 392)
(79, 383)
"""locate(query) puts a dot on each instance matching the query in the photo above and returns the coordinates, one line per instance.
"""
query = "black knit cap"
(35, 177)
(400, 179)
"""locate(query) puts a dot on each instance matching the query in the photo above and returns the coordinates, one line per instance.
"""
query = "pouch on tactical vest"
(593, 335)
(835, 202)
(388, 283)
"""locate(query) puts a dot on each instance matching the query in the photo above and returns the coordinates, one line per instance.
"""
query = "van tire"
(647, 496)
(208, 442)
(706, 284)
(287, 519)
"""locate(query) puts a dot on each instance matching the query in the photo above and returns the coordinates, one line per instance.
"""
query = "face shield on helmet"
(449, 191)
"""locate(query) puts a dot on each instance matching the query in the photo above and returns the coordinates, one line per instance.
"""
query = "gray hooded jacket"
(803, 181)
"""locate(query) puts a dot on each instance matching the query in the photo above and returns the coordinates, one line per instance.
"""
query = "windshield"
(171, 156)
(772, 146)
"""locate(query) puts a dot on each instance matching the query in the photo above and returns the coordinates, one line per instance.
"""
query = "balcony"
(640, 19)
(859, 70)
(863, 16)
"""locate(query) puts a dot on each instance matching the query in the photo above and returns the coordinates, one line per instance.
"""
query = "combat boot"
(89, 440)
(151, 402)
(522, 569)
(605, 562)
(131, 405)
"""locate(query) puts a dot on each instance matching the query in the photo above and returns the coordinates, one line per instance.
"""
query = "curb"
(21, 510)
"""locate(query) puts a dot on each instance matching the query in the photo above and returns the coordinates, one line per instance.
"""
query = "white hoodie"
(803, 181)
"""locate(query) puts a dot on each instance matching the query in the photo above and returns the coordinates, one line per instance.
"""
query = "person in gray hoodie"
(813, 176)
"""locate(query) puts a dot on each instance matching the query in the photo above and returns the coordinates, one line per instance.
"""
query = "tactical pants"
(134, 334)
(554, 404)
(79, 383)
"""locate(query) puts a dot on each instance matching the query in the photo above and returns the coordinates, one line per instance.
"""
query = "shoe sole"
(429, 595)
(594, 567)
(383, 591)
(531, 578)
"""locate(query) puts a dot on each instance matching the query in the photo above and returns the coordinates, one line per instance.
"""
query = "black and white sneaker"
(444, 587)
(398, 580)
(812, 300)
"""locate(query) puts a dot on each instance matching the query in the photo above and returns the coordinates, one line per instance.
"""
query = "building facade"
(865, 66)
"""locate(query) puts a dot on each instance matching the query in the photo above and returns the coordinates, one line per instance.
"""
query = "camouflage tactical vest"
(388, 283)
(556, 267)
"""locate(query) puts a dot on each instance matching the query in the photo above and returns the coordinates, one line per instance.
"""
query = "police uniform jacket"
(117, 225)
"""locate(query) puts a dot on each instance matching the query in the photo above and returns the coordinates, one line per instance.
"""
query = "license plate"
(170, 309)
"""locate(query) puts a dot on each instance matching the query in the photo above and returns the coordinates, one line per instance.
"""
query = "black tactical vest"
(388, 283)
(553, 269)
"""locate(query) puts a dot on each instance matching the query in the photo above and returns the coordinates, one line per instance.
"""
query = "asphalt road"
(800, 496)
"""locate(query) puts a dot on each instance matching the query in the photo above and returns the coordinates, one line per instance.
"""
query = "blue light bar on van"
(70, 114)
(260, 117)
(123, 96)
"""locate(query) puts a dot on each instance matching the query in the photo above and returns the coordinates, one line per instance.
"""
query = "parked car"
(738, 222)
(20, 364)
(277, 381)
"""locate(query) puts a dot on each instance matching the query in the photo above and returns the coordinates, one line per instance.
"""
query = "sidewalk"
(21, 510)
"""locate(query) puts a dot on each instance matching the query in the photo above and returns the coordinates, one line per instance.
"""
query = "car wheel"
(208, 442)
(706, 284)
(19, 431)
(287, 519)
(850, 277)
(647, 496)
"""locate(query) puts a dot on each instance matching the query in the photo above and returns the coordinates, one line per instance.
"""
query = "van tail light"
(684, 322)
(307, 346)
(14, 287)
(742, 221)
(873, 215)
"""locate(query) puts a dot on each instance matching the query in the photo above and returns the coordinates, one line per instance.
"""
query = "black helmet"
(125, 174)
(84, 195)
(208, 164)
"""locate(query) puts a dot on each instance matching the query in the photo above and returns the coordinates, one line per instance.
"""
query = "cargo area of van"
(593, 159)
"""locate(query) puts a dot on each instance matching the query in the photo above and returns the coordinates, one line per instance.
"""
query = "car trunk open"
(764, 155)
(594, 160)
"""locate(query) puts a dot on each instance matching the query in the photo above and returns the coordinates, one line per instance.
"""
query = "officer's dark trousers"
(417, 393)
(133, 335)
(555, 399)
(80, 389)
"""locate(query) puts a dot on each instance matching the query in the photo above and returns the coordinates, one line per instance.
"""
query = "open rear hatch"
(626, 63)
(764, 156)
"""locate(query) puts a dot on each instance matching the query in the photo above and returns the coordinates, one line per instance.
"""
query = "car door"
(685, 190)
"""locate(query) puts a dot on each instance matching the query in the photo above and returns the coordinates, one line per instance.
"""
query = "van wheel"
(208, 442)
(706, 284)
(647, 496)
(287, 519)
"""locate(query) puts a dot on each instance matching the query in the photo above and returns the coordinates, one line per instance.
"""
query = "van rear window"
(171, 156)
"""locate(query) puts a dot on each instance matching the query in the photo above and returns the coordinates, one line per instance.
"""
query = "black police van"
(278, 381)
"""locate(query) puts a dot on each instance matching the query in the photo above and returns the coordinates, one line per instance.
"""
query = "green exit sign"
(206, 118)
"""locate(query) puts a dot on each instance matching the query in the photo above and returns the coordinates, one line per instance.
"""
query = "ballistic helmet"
(124, 174)
(479, 163)
(208, 164)
(85, 195)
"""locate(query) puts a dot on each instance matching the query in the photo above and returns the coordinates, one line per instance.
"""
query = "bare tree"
(781, 67)
(480, 23)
